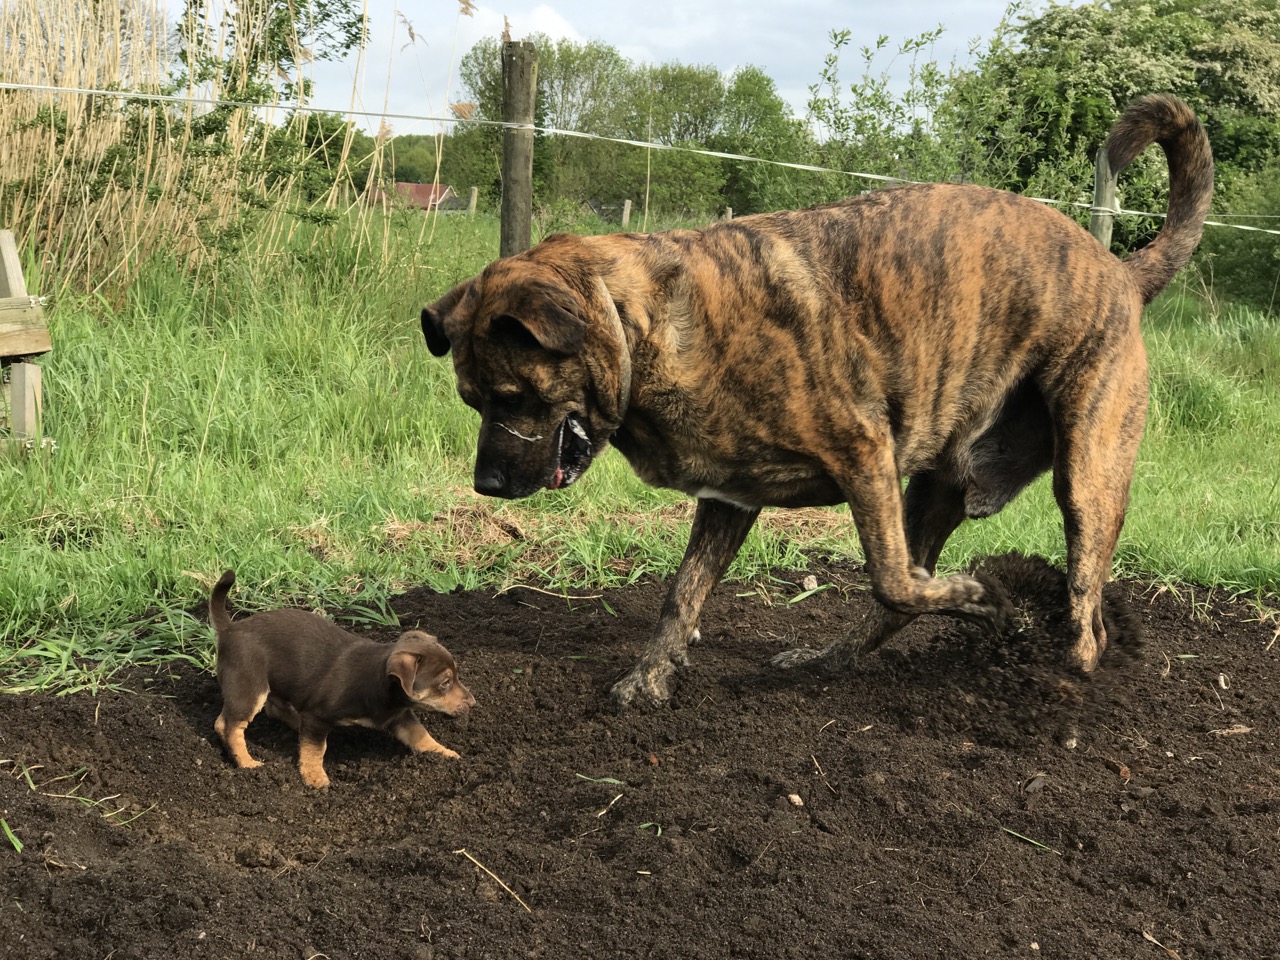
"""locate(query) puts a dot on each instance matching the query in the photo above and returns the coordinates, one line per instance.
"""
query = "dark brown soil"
(925, 805)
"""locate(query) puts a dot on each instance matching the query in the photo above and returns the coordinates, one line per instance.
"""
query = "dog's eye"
(445, 685)
(508, 397)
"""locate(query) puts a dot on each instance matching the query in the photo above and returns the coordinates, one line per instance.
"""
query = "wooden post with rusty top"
(23, 334)
(519, 90)
(1104, 199)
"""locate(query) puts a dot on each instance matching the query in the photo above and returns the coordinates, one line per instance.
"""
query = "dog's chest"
(735, 469)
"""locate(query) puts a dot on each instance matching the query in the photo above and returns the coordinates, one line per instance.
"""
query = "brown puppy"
(314, 675)
(963, 337)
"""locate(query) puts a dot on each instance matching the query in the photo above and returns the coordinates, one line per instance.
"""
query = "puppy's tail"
(1166, 120)
(218, 615)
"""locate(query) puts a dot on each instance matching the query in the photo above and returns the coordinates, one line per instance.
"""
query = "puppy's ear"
(543, 323)
(435, 316)
(403, 665)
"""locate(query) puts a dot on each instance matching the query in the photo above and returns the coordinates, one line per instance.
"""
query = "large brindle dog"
(963, 337)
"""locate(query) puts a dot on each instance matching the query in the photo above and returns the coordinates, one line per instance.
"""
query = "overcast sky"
(786, 38)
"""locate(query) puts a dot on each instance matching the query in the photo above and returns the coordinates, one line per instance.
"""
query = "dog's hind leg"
(718, 531)
(1093, 468)
(933, 509)
(231, 724)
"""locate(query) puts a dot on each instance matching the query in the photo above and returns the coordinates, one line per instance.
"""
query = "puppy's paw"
(314, 776)
(648, 684)
(248, 763)
(448, 754)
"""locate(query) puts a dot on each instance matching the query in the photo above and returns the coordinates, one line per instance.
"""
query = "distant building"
(424, 196)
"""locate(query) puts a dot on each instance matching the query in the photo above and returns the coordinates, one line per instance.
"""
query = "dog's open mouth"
(573, 453)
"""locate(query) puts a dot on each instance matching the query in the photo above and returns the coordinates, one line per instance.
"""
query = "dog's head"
(539, 352)
(428, 674)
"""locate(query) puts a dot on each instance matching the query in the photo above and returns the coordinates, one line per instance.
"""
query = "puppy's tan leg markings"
(409, 731)
(231, 730)
(718, 532)
(312, 740)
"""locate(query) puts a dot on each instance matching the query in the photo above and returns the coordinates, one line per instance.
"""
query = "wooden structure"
(519, 91)
(1104, 199)
(23, 335)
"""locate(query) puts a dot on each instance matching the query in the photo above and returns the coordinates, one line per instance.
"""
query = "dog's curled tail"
(1166, 120)
(218, 615)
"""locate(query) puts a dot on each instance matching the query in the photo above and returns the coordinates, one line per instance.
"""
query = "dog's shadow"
(998, 688)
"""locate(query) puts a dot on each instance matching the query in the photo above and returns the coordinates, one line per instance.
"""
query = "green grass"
(285, 419)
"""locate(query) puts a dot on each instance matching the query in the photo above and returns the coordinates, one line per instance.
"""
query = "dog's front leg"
(718, 531)
(898, 581)
(313, 737)
(410, 731)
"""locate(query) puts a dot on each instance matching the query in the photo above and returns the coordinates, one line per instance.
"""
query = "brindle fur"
(963, 337)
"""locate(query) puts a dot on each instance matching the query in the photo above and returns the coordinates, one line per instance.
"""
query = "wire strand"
(555, 131)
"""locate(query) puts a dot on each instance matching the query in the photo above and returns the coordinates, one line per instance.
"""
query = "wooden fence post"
(26, 409)
(519, 89)
(728, 213)
(22, 334)
(1104, 199)
(626, 214)
(471, 204)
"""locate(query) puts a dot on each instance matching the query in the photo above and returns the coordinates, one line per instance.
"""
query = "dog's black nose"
(490, 481)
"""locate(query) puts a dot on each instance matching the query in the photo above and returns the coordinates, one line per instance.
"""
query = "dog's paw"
(828, 661)
(797, 657)
(987, 604)
(448, 754)
(646, 685)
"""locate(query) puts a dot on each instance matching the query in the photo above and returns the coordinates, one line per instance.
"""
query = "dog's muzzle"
(565, 458)
(573, 453)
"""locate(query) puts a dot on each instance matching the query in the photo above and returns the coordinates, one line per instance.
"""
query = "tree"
(1058, 80)
(756, 122)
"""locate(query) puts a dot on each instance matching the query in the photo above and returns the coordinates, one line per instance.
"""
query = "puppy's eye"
(508, 397)
(445, 685)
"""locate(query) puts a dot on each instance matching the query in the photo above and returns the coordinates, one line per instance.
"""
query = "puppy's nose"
(490, 481)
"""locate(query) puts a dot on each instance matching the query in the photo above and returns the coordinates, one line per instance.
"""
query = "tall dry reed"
(97, 187)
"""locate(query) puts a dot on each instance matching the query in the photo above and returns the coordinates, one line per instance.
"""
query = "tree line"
(1027, 113)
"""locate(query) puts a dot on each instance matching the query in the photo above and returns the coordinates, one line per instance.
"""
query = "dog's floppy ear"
(543, 323)
(435, 315)
(433, 330)
(403, 665)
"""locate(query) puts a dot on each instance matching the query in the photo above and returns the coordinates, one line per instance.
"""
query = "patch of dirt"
(923, 805)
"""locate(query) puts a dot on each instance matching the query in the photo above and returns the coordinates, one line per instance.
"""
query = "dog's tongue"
(557, 479)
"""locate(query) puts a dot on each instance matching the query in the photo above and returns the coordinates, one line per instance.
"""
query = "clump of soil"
(926, 804)
(1020, 683)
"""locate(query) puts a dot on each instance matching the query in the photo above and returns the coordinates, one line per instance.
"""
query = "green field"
(283, 417)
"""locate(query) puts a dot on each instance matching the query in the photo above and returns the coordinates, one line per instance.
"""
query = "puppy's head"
(538, 353)
(428, 675)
